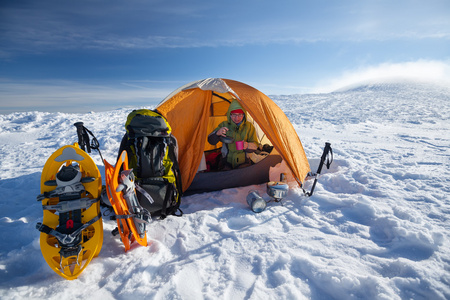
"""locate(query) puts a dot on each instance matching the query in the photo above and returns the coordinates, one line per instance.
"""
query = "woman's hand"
(222, 131)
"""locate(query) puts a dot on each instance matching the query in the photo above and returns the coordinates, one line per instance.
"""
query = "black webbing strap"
(66, 239)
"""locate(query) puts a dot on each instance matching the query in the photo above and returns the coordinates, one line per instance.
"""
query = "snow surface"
(377, 226)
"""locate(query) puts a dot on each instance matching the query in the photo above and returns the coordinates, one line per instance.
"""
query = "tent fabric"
(196, 108)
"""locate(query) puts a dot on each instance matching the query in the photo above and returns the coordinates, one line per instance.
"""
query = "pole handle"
(83, 138)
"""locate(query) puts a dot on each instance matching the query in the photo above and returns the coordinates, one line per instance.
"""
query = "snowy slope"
(377, 226)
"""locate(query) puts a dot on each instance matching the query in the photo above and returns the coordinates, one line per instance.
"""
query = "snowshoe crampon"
(131, 217)
(72, 228)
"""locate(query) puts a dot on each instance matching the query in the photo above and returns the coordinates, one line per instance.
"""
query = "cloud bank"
(76, 97)
(422, 70)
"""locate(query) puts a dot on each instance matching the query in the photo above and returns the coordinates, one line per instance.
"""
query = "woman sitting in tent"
(238, 137)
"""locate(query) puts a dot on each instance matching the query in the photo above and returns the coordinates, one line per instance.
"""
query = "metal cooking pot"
(277, 189)
(226, 139)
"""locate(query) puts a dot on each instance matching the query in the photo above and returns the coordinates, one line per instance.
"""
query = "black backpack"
(153, 154)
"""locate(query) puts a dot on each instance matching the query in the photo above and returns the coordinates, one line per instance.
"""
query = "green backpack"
(153, 154)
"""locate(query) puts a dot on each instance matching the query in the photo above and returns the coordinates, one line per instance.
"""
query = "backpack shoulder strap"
(173, 157)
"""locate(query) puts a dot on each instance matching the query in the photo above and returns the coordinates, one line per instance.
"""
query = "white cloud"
(421, 70)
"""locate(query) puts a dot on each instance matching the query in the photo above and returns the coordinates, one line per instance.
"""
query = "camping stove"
(277, 190)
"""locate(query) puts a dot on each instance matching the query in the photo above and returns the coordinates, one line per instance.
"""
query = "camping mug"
(239, 145)
(256, 202)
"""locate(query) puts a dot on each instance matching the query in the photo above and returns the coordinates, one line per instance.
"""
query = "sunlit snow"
(377, 226)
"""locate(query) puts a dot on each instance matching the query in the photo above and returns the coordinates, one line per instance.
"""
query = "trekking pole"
(327, 150)
(83, 138)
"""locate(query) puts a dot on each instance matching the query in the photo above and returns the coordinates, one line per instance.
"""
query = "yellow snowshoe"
(72, 228)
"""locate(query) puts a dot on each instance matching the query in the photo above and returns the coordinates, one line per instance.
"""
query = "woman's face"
(237, 118)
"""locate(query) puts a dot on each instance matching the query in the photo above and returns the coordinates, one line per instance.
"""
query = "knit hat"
(237, 111)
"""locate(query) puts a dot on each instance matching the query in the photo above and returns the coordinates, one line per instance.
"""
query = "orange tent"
(195, 109)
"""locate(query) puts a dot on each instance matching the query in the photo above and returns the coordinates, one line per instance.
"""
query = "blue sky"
(84, 55)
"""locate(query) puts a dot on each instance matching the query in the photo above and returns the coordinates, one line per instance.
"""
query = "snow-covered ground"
(377, 226)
